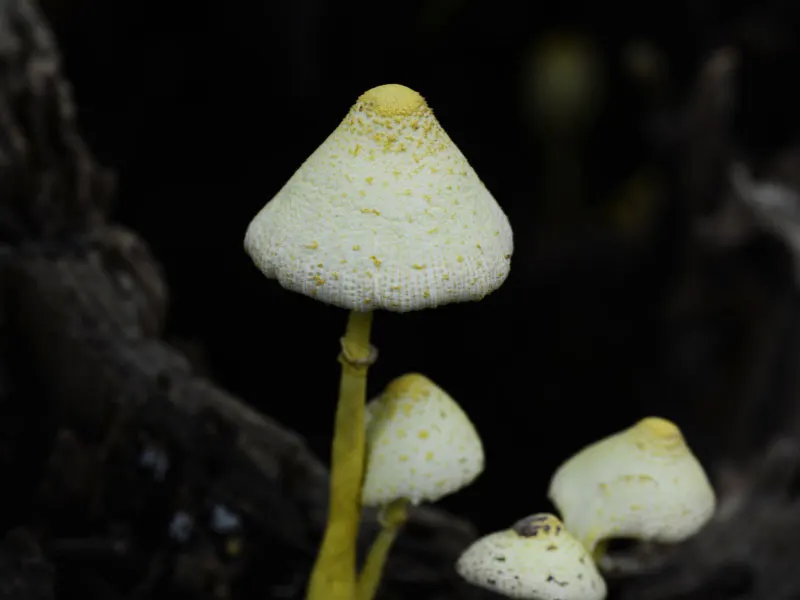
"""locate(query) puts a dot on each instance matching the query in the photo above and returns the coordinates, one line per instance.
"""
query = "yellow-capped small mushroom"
(386, 213)
(536, 559)
(421, 446)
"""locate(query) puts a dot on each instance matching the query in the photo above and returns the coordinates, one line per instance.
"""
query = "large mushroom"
(386, 214)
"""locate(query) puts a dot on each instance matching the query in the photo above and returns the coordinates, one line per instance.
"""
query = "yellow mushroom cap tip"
(408, 385)
(392, 99)
(658, 427)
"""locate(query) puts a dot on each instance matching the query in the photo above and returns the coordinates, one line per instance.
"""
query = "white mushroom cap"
(537, 558)
(643, 482)
(420, 444)
(386, 213)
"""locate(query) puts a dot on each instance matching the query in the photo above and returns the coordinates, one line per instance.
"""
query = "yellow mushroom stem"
(600, 550)
(392, 519)
(334, 573)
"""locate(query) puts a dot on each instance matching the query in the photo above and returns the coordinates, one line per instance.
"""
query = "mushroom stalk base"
(392, 519)
(334, 574)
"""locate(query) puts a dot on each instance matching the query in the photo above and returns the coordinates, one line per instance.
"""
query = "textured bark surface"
(132, 417)
(131, 458)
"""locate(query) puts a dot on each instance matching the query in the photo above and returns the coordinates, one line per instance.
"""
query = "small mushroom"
(536, 559)
(421, 446)
(641, 483)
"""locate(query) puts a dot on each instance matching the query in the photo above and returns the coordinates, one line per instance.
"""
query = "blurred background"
(604, 130)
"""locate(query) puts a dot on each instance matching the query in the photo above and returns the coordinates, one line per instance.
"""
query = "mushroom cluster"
(385, 214)
(641, 483)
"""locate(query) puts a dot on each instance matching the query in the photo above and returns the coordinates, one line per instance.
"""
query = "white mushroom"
(421, 445)
(386, 213)
(536, 559)
(643, 483)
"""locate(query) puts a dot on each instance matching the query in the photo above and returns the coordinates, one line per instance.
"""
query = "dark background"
(205, 110)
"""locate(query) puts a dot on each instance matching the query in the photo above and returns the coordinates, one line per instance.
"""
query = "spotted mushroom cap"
(386, 214)
(537, 558)
(420, 445)
(643, 482)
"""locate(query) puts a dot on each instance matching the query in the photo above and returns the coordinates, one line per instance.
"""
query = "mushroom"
(641, 483)
(537, 559)
(421, 446)
(563, 95)
(386, 214)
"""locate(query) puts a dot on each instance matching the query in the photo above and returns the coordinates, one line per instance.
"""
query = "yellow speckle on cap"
(392, 100)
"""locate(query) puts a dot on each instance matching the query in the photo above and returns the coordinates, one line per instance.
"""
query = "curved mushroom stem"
(392, 519)
(599, 551)
(334, 573)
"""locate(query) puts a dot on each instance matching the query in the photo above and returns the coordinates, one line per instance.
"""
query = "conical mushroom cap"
(537, 558)
(386, 213)
(420, 444)
(643, 482)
